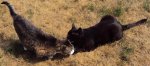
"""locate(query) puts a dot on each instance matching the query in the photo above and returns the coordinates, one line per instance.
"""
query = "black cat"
(107, 30)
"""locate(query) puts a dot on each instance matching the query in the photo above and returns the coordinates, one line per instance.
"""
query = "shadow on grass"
(15, 48)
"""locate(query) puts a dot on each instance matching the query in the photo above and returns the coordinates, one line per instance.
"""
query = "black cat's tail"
(11, 9)
(128, 26)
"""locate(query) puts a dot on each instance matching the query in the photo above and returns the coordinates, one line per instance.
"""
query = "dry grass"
(56, 16)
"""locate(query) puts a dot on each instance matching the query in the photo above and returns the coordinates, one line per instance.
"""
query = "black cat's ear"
(73, 27)
(80, 31)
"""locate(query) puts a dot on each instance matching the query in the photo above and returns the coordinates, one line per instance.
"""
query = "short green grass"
(126, 51)
(148, 23)
(124, 56)
(90, 7)
(104, 11)
(30, 13)
(146, 5)
(118, 11)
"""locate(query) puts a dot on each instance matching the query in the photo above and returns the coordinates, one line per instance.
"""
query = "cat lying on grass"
(109, 29)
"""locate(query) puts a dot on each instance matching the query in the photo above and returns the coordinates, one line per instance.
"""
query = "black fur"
(36, 40)
(106, 31)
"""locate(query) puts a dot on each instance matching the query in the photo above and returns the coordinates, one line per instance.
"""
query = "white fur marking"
(24, 48)
(72, 51)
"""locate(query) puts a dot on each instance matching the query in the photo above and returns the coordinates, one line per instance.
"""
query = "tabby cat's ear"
(73, 27)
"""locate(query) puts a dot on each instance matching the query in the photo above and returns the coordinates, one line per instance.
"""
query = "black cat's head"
(75, 34)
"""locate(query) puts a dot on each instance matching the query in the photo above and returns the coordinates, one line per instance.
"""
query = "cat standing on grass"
(35, 40)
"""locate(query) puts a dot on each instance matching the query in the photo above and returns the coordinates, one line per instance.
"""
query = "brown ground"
(56, 16)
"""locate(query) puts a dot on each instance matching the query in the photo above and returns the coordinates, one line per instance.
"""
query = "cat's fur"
(107, 30)
(35, 40)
